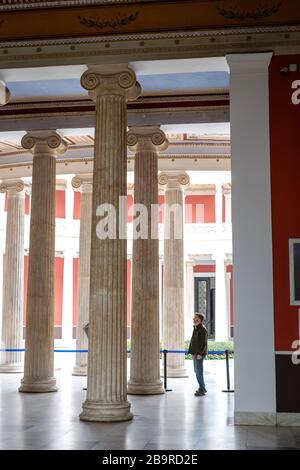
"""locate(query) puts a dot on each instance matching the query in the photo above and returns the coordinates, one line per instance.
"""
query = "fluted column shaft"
(83, 183)
(106, 388)
(39, 341)
(13, 277)
(173, 278)
(145, 356)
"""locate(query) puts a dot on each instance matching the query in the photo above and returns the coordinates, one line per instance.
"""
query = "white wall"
(252, 239)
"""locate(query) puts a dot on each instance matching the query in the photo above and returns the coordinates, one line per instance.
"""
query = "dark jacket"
(198, 344)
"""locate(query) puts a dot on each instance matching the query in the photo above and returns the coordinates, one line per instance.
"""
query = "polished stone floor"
(176, 420)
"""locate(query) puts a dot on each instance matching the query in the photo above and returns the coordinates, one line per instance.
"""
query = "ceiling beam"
(145, 111)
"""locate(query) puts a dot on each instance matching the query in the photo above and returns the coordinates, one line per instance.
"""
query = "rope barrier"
(211, 353)
(164, 352)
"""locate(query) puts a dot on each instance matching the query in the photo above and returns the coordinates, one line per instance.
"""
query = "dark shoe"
(199, 394)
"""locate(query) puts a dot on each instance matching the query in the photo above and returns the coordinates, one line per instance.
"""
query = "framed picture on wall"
(294, 244)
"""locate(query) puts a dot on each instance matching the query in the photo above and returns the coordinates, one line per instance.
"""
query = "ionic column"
(110, 87)
(39, 342)
(84, 184)
(145, 356)
(13, 276)
(221, 311)
(173, 279)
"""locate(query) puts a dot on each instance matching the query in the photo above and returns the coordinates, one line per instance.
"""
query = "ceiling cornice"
(110, 18)
(10, 5)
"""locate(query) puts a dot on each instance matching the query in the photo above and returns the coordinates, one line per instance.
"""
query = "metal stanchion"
(86, 330)
(165, 353)
(227, 373)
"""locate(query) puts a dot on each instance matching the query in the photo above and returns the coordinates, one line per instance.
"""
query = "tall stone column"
(2, 200)
(39, 342)
(173, 279)
(110, 87)
(84, 184)
(145, 355)
(13, 277)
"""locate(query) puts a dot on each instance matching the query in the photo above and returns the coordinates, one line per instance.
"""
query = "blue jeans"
(198, 368)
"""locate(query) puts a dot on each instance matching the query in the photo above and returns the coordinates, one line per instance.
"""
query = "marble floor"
(177, 420)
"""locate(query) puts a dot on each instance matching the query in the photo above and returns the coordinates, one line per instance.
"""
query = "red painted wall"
(60, 204)
(205, 268)
(129, 208)
(76, 209)
(191, 214)
(205, 213)
(285, 193)
(58, 291)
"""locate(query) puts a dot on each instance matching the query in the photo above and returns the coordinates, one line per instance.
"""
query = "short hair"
(200, 315)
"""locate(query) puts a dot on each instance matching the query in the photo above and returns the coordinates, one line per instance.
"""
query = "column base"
(105, 412)
(42, 386)
(79, 370)
(179, 373)
(13, 368)
(252, 418)
(154, 388)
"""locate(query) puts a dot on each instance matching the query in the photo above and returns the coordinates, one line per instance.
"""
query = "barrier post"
(165, 353)
(227, 373)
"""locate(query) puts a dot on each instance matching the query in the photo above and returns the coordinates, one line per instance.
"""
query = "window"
(294, 245)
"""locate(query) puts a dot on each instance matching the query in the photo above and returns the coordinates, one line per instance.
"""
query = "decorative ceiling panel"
(111, 18)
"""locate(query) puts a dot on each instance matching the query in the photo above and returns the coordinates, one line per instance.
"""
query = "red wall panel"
(76, 209)
(129, 208)
(285, 193)
(58, 292)
(200, 209)
(60, 204)
(205, 268)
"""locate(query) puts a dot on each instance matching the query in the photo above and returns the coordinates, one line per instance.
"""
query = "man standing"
(198, 349)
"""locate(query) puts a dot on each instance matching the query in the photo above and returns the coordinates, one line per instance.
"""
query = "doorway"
(204, 291)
